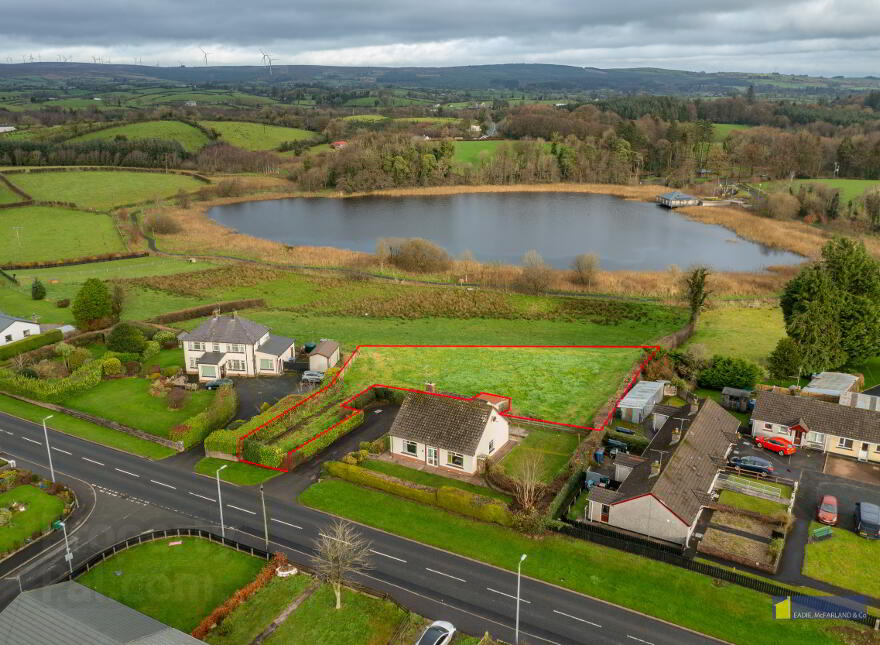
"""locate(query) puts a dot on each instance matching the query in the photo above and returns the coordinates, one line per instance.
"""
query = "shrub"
(258, 452)
(418, 255)
(466, 503)
(166, 339)
(38, 289)
(383, 482)
(159, 388)
(536, 274)
(112, 367)
(726, 371)
(151, 348)
(782, 205)
(176, 398)
(585, 267)
(78, 358)
(31, 342)
(162, 223)
(225, 441)
(785, 360)
(52, 390)
(126, 338)
(64, 303)
(92, 307)
(170, 372)
(197, 428)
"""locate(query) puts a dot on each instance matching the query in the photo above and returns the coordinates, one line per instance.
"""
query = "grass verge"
(430, 479)
(42, 510)
(235, 472)
(844, 560)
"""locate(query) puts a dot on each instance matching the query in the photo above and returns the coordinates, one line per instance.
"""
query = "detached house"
(226, 346)
(13, 329)
(448, 432)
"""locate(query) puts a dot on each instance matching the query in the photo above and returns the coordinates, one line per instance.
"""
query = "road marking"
(11, 434)
(640, 640)
(508, 595)
(165, 485)
(202, 496)
(60, 450)
(287, 524)
(125, 472)
(243, 510)
(93, 461)
(39, 443)
(576, 618)
(388, 556)
(440, 573)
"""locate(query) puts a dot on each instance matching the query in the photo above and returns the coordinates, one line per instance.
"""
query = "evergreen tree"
(38, 290)
(92, 307)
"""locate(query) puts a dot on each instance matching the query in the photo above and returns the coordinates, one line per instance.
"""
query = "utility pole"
(265, 518)
(67, 554)
(518, 578)
(220, 500)
(48, 450)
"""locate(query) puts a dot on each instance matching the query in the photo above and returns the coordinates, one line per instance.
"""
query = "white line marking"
(287, 524)
(576, 618)
(9, 433)
(640, 640)
(210, 499)
(440, 573)
(388, 556)
(508, 595)
(39, 443)
(60, 450)
(165, 485)
(125, 472)
(243, 510)
(93, 461)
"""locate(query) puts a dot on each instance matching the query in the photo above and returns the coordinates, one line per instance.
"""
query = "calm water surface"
(502, 226)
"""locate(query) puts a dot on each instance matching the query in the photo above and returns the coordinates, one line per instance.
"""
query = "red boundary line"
(345, 404)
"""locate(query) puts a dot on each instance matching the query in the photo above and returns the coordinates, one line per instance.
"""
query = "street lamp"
(518, 577)
(265, 519)
(48, 451)
(67, 555)
(220, 500)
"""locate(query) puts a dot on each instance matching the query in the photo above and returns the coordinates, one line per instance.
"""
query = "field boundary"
(347, 404)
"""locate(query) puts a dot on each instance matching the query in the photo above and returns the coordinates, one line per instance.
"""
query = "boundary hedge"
(52, 390)
(207, 310)
(221, 411)
(30, 343)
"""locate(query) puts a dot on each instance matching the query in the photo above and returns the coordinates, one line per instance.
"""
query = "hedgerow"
(31, 342)
(220, 412)
(52, 390)
(340, 430)
(225, 441)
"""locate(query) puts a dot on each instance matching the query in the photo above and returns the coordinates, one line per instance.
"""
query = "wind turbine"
(206, 56)
(267, 59)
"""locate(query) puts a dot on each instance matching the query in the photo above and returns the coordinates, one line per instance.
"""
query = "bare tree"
(586, 266)
(528, 484)
(340, 551)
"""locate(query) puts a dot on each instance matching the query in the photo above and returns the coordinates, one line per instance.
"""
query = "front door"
(432, 456)
(606, 510)
(863, 453)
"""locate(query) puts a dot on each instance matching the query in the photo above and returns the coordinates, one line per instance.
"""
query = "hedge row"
(225, 441)
(207, 310)
(340, 430)
(31, 342)
(268, 414)
(388, 394)
(446, 497)
(300, 411)
(261, 453)
(52, 390)
(221, 411)
(571, 484)
(101, 257)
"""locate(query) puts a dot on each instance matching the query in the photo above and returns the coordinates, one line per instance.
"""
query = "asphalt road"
(474, 596)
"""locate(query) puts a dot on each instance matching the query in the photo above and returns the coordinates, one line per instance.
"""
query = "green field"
(235, 473)
(428, 119)
(474, 152)
(554, 449)
(850, 189)
(176, 585)
(102, 189)
(43, 233)
(42, 510)
(429, 479)
(556, 384)
(364, 117)
(192, 139)
(841, 560)
(740, 331)
(720, 131)
(7, 196)
(257, 136)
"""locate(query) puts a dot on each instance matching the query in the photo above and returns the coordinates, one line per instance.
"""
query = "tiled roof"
(226, 329)
(6, 321)
(818, 416)
(210, 358)
(275, 345)
(442, 421)
(325, 348)
(603, 495)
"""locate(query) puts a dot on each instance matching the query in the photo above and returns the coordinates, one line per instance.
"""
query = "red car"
(776, 444)
(827, 510)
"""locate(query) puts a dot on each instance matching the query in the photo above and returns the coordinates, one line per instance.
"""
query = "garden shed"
(735, 399)
(639, 402)
(324, 356)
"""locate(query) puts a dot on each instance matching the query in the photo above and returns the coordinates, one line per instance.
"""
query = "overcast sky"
(822, 37)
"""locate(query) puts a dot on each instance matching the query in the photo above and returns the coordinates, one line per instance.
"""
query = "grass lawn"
(192, 139)
(689, 599)
(750, 503)
(715, 395)
(738, 331)
(176, 585)
(9, 197)
(42, 233)
(364, 117)
(85, 430)
(557, 384)
(870, 369)
(429, 479)
(127, 401)
(555, 449)
(578, 508)
(257, 136)
(249, 619)
(102, 189)
(850, 189)
(845, 560)
(235, 472)
(42, 510)
(363, 620)
(473, 152)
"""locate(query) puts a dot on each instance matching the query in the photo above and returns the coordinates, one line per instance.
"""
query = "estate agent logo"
(821, 607)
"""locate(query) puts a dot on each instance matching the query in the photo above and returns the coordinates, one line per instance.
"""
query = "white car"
(438, 633)
(310, 376)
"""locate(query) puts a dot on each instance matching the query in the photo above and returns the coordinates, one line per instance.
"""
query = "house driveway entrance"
(253, 392)
(866, 472)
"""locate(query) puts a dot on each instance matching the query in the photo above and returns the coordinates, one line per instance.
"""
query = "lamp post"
(518, 577)
(48, 450)
(220, 500)
(265, 518)
(67, 555)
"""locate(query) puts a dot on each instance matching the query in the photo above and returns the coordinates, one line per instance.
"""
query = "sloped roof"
(72, 614)
(325, 348)
(275, 345)
(6, 320)
(641, 393)
(442, 421)
(226, 329)
(831, 383)
(819, 416)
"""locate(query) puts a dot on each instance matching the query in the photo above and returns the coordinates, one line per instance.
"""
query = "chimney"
(676, 436)
(430, 387)
(655, 468)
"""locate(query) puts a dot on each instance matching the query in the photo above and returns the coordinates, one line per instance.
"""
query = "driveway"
(866, 472)
(253, 392)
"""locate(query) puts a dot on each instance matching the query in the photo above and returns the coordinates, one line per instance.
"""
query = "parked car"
(311, 376)
(438, 633)
(779, 445)
(218, 382)
(752, 464)
(867, 519)
(826, 512)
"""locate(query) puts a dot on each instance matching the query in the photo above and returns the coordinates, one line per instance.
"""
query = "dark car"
(218, 383)
(867, 519)
(752, 464)
(826, 512)
(438, 633)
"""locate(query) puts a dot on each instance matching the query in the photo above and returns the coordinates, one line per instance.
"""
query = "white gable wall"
(648, 516)
(16, 331)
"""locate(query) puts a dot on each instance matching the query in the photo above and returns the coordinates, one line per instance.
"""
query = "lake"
(501, 227)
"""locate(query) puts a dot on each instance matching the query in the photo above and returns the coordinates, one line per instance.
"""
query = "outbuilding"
(831, 385)
(676, 199)
(735, 399)
(324, 356)
(639, 402)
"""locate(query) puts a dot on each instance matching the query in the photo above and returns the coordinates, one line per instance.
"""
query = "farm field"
(257, 136)
(720, 131)
(364, 117)
(102, 189)
(172, 583)
(745, 332)
(192, 139)
(9, 197)
(428, 119)
(473, 152)
(43, 233)
(42, 510)
(850, 189)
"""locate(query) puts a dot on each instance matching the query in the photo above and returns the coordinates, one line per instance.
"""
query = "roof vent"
(676, 436)
(655, 468)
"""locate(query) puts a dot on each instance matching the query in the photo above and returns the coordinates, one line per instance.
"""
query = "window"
(235, 366)
(236, 349)
(816, 437)
(845, 444)
(768, 426)
(8, 338)
(877, 448)
(209, 371)
(197, 347)
(491, 446)
(217, 347)
(411, 447)
(455, 460)
(26, 332)
(267, 364)
(193, 363)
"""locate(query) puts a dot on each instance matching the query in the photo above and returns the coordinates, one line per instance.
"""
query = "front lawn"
(235, 472)
(176, 585)
(429, 479)
(845, 559)
(128, 401)
(554, 448)
(750, 503)
(42, 510)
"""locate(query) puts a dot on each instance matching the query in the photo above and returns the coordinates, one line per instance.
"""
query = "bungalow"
(639, 402)
(676, 199)
(324, 356)
(13, 329)
(447, 432)
(662, 494)
(821, 425)
(225, 346)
